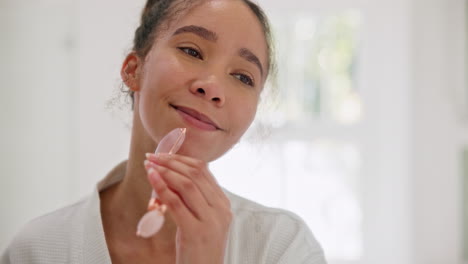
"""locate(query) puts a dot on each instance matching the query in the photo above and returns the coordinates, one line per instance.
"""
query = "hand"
(199, 207)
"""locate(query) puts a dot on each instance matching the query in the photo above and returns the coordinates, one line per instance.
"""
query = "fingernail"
(148, 155)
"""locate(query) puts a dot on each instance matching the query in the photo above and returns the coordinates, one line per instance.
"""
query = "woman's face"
(204, 73)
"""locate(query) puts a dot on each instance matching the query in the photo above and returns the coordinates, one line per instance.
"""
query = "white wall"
(38, 110)
(439, 129)
(387, 85)
(60, 66)
(105, 33)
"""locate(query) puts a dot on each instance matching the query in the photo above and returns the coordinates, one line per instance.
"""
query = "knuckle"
(195, 173)
(174, 203)
(188, 185)
(160, 189)
(162, 170)
(163, 157)
(200, 164)
(170, 163)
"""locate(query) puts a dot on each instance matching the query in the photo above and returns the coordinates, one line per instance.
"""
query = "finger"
(195, 174)
(186, 189)
(192, 162)
(207, 176)
(149, 164)
(194, 168)
(192, 174)
(180, 213)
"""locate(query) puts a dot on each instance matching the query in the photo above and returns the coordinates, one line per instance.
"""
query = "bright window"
(300, 154)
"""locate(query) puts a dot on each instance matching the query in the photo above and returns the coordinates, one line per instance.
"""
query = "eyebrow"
(197, 30)
(213, 37)
(249, 56)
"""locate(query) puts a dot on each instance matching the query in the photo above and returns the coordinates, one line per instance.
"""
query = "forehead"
(232, 21)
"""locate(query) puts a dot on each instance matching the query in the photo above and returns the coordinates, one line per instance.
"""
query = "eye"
(192, 52)
(244, 78)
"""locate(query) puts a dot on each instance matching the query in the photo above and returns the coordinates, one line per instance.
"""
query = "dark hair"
(157, 12)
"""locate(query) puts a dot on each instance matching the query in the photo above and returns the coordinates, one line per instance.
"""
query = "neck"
(123, 204)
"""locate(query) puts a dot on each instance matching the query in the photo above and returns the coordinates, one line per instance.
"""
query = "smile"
(196, 118)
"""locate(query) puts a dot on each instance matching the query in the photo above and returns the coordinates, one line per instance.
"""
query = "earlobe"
(130, 71)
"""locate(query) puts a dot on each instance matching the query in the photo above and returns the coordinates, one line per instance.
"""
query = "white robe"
(74, 234)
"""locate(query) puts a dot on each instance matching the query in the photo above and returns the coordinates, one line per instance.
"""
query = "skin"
(177, 66)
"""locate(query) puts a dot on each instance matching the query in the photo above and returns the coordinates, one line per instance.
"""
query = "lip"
(196, 118)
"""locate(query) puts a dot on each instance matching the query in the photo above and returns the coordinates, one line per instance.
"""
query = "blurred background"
(365, 138)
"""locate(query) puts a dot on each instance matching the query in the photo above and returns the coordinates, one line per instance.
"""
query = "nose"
(210, 89)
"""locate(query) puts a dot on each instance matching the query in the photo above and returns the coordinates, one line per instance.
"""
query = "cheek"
(244, 112)
(160, 79)
(158, 83)
(161, 72)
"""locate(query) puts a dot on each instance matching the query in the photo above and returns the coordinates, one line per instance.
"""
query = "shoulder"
(47, 238)
(284, 235)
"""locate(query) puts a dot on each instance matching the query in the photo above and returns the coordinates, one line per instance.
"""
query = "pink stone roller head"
(153, 219)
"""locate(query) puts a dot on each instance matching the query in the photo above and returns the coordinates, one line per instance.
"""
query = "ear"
(130, 71)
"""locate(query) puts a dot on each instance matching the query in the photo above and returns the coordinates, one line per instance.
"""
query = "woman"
(200, 65)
